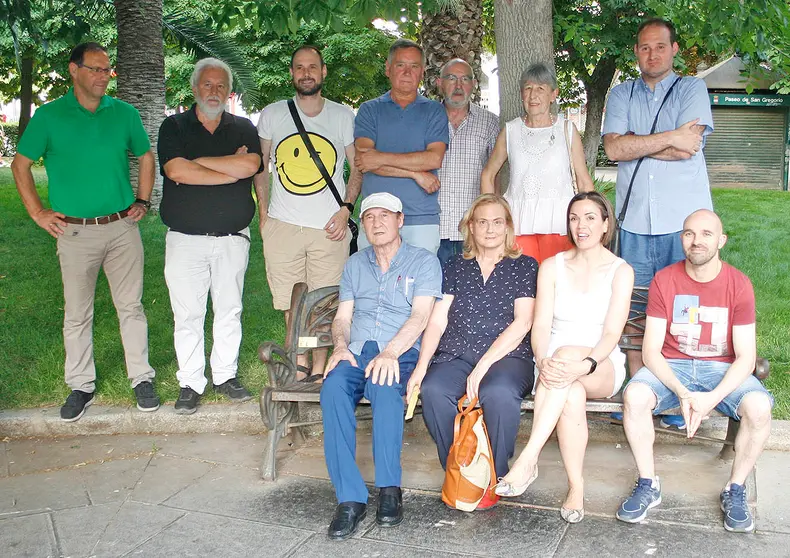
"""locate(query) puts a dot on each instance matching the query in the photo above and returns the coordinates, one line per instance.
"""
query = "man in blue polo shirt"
(672, 180)
(387, 293)
(400, 141)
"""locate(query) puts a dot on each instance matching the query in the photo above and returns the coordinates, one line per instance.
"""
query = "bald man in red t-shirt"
(699, 351)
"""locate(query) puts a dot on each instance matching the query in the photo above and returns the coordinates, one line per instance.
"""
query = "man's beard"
(699, 258)
(208, 110)
(308, 92)
(452, 103)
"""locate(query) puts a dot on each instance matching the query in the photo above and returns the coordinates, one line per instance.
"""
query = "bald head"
(704, 218)
(448, 66)
(702, 237)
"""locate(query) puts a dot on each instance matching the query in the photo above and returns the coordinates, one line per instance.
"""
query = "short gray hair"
(401, 44)
(538, 73)
(206, 63)
(449, 63)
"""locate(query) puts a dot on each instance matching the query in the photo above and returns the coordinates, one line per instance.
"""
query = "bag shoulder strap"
(314, 155)
(621, 217)
(569, 143)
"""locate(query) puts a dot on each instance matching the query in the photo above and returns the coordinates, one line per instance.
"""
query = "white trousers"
(195, 266)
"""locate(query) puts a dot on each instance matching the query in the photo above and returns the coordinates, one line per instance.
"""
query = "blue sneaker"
(673, 421)
(646, 495)
(617, 416)
(737, 517)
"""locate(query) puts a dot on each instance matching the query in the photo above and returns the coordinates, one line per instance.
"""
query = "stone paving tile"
(132, 525)
(42, 492)
(430, 524)
(293, 501)
(27, 537)
(229, 449)
(78, 529)
(773, 504)
(41, 454)
(198, 534)
(113, 481)
(4, 459)
(166, 476)
(609, 537)
(319, 546)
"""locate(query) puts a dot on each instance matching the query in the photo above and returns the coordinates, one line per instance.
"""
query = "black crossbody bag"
(614, 244)
(325, 173)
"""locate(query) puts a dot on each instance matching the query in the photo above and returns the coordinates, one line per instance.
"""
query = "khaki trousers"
(118, 249)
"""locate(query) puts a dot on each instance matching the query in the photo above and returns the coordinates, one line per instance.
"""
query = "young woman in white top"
(581, 308)
(541, 183)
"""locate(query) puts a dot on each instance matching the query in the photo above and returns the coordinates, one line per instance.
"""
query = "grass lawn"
(31, 303)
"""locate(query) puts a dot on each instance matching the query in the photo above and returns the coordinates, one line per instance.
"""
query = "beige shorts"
(295, 254)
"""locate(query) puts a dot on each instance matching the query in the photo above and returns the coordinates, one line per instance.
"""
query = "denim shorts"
(698, 375)
(649, 254)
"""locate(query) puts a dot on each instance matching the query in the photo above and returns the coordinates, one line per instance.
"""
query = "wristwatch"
(349, 206)
(593, 364)
(145, 203)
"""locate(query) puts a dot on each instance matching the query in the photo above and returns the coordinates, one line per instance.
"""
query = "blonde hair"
(511, 249)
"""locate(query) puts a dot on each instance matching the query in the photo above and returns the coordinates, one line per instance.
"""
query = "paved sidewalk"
(201, 495)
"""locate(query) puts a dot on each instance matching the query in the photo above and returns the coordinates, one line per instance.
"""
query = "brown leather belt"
(98, 220)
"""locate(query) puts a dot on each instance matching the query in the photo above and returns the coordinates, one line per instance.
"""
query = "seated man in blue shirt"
(400, 140)
(387, 293)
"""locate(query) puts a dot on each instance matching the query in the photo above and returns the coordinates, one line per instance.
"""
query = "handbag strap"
(568, 140)
(314, 156)
(621, 217)
(462, 413)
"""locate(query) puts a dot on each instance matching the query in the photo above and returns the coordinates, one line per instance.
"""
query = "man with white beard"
(207, 158)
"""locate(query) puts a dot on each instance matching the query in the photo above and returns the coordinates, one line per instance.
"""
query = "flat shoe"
(504, 488)
(572, 516)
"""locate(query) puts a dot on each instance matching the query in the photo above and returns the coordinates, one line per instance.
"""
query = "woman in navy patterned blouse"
(477, 339)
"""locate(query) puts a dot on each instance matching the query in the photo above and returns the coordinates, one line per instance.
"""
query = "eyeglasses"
(95, 70)
(496, 224)
(465, 80)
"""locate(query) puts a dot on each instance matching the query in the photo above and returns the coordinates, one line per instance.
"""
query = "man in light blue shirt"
(400, 141)
(387, 293)
(672, 180)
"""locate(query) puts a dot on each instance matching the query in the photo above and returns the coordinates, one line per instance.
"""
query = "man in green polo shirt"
(84, 138)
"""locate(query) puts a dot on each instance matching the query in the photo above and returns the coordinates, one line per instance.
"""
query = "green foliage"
(9, 136)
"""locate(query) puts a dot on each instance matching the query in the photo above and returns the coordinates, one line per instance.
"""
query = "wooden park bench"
(311, 319)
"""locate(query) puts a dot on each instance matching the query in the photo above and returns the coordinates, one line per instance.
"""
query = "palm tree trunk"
(524, 36)
(453, 34)
(141, 68)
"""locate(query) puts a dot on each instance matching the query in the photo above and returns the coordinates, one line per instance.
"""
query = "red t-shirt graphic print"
(700, 316)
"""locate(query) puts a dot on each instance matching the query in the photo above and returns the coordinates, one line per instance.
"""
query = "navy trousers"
(342, 390)
(501, 392)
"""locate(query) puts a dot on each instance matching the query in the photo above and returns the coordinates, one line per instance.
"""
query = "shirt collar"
(71, 98)
(662, 85)
(395, 260)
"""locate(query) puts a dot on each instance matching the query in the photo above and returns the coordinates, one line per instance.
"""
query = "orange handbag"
(470, 464)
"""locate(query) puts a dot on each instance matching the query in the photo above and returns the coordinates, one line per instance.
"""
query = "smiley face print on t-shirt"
(297, 171)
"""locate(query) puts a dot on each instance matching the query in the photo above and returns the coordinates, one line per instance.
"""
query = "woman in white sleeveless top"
(581, 308)
(541, 183)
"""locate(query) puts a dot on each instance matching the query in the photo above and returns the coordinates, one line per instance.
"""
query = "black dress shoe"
(390, 510)
(348, 516)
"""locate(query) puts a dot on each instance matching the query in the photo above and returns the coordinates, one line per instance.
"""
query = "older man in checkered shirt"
(473, 132)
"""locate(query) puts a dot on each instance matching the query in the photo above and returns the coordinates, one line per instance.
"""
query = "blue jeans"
(649, 254)
(421, 236)
(342, 390)
(698, 375)
(449, 248)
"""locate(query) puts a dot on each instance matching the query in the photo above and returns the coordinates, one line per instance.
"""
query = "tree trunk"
(141, 69)
(449, 34)
(524, 36)
(25, 93)
(596, 87)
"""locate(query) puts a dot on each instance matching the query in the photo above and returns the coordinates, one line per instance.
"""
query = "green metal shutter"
(747, 147)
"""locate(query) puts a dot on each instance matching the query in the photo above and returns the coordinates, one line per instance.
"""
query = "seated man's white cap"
(383, 200)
